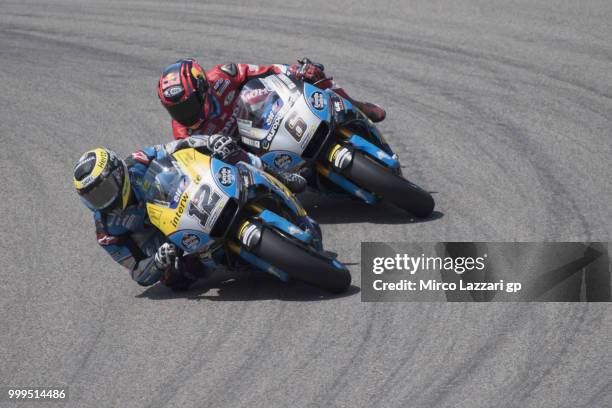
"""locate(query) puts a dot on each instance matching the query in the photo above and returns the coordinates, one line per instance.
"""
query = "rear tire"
(378, 179)
(300, 263)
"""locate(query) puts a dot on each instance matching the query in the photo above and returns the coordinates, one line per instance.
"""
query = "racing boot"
(374, 112)
(294, 182)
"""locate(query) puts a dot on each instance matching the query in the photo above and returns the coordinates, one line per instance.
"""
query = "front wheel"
(302, 263)
(378, 179)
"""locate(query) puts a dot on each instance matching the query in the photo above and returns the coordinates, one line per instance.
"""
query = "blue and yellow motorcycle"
(294, 125)
(233, 214)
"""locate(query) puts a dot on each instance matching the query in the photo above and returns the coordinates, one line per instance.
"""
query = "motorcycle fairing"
(290, 128)
(199, 205)
(226, 177)
(317, 100)
(190, 184)
(259, 177)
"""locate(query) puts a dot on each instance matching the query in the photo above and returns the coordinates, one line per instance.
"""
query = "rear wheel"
(376, 178)
(302, 263)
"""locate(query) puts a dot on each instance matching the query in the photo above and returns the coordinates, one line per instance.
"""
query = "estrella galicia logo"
(317, 100)
(225, 176)
(190, 241)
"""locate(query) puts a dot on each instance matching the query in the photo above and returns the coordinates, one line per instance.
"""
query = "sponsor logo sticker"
(221, 85)
(274, 127)
(180, 210)
(317, 100)
(250, 142)
(190, 241)
(173, 91)
(338, 105)
(225, 176)
(290, 84)
(282, 161)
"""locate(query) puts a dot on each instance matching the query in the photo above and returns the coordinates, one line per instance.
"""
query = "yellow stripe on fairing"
(193, 163)
(167, 219)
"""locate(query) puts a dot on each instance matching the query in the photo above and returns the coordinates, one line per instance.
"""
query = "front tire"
(302, 263)
(372, 176)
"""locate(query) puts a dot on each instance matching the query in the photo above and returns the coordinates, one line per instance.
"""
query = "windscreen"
(164, 183)
(259, 107)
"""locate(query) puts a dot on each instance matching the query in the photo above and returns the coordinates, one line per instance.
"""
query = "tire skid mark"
(533, 379)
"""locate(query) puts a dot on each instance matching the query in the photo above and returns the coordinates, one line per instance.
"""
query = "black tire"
(300, 263)
(372, 176)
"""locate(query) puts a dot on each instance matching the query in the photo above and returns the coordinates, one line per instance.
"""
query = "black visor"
(187, 112)
(102, 194)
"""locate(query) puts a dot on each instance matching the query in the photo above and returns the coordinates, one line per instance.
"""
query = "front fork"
(340, 156)
(250, 231)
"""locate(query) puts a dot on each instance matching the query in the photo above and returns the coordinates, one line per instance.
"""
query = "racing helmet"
(183, 90)
(101, 179)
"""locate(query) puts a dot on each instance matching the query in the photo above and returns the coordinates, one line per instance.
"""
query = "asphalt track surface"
(504, 109)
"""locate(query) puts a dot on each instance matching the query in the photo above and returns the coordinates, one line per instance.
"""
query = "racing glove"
(192, 141)
(293, 181)
(222, 146)
(168, 259)
(308, 71)
(165, 256)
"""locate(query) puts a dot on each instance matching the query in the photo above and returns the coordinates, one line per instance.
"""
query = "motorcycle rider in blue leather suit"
(113, 188)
